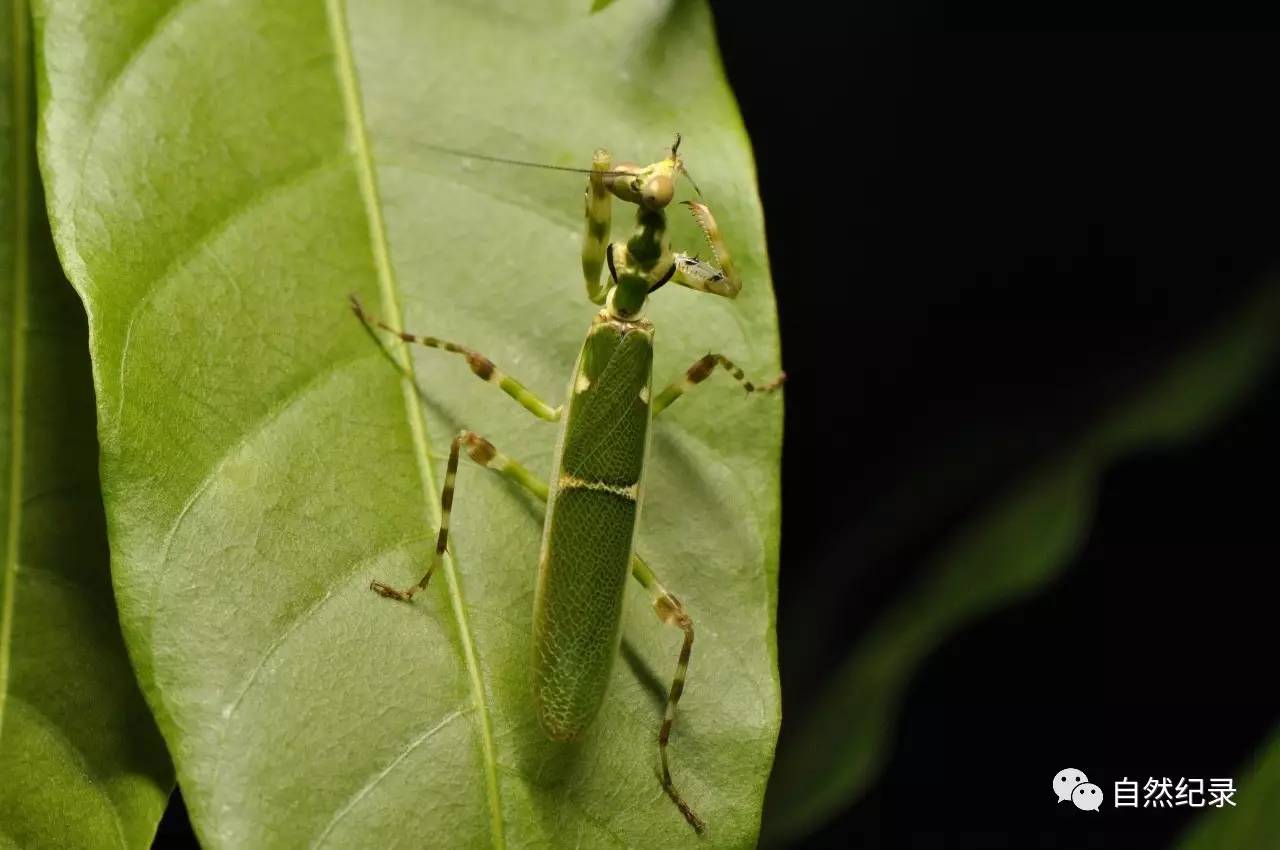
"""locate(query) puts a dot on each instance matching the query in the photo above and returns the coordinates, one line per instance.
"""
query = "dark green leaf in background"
(1010, 550)
(221, 175)
(81, 764)
(1254, 820)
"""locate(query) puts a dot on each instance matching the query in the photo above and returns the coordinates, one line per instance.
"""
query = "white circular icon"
(1066, 781)
(1087, 797)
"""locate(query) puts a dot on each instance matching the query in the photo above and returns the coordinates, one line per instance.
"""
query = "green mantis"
(594, 495)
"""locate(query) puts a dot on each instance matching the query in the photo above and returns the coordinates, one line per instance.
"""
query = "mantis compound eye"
(657, 193)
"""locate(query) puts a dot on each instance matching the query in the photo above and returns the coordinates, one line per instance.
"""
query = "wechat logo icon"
(1071, 784)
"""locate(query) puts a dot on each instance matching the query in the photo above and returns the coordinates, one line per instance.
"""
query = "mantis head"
(652, 186)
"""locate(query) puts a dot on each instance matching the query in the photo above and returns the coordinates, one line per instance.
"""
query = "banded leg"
(599, 215)
(482, 452)
(700, 370)
(482, 366)
(672, 613)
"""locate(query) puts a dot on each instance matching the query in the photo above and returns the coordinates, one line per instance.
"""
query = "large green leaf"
(1011, 549)
(221, 176)
(81, 764)
(1254, 820)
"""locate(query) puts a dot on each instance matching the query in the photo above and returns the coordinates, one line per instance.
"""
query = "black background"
(978, 243)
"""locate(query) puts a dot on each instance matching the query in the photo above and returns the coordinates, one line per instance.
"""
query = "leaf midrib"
(17, 377)
(417, 424)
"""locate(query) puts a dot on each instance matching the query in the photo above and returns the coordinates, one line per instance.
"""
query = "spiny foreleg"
(599, 216)
(718, 278)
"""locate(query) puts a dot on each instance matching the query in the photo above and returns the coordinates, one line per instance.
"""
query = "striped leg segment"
(482, 366)
(599, 215)
(482, 452)
(700, 370)
(671, 612)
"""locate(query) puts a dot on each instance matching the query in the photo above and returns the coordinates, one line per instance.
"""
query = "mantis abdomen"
(588, 536)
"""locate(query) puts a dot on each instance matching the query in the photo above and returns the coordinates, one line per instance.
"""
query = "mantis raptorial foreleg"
(482, 366)
(718, 278)
(599, 217)
(665, 605)
(699, 372)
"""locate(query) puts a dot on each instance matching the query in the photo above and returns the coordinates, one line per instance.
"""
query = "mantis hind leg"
(670, 611)
(482, 452)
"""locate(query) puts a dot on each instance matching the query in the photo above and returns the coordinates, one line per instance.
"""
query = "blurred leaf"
(81, 764)
(1009, 551)
(220, 178)
(600, 5)
(1255, 819)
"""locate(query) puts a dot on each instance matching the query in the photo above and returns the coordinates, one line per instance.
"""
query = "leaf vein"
(111, 88)
(264, 196)
(314, 383)
(298, 621)
(291, 629)
(112, 84)
(382, 774)
(345, 69)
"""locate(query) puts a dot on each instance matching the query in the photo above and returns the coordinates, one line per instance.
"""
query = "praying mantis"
(596, 488)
